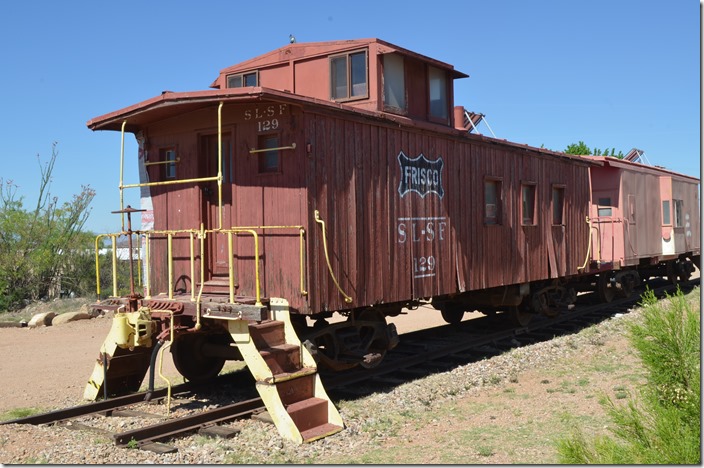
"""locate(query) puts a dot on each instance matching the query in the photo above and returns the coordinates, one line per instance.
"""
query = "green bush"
(37, 246)
(663, 426)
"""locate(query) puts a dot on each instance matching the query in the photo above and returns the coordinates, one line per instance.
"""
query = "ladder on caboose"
(286, 376)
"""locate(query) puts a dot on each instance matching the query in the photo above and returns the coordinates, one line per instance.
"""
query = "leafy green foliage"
(39, 247)
(582, 149)
(664, 425)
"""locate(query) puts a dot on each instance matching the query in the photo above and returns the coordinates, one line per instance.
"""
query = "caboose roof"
(634, 166)
(311, 50)
(171, 104)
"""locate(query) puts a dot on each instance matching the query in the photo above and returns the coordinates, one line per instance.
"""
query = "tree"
(37, 246)
(582, 149)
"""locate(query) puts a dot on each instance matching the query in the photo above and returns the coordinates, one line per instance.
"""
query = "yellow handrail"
(170, 252)
(256, 263)
(348, 299)
(220, 165)
(202, 234)
(171, 182)
(589, 245)
(122, 171)
(148, 274)
(97, 264)
(114, 265)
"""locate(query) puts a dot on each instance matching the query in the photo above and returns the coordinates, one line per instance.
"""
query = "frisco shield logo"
(420, 175)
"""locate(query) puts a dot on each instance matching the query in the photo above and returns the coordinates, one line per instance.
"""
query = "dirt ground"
(42, 367)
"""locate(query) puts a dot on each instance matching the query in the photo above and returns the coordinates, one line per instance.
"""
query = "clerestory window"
(349, 76)
(241, 80)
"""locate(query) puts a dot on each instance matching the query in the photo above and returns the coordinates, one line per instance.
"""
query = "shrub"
(663, 425)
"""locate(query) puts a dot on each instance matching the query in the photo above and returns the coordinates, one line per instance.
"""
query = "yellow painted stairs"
(286, 376)
(285, 372)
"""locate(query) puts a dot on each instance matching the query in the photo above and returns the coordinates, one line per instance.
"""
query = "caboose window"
(604, 207)
(242, 79)
(679, 220)
(269, 161)
(394, 83)
(558, 205)
(528, 204)
(348, 76)
(169, 156)
(437, 84)
(666, 219)
(492, 201)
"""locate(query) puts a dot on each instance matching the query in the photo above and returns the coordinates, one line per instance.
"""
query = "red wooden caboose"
(340, 177)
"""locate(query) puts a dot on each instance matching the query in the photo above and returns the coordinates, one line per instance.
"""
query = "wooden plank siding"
(355, 188)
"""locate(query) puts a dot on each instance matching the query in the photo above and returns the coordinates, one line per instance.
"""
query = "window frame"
(678, 212)
(667, 221)
(262, 168)
(498, 218)
(169, 167)
(446, 83)
(387, 107)
(533, 186)
(242, 77)
(599, 205)
(348, 75)
(561, 188)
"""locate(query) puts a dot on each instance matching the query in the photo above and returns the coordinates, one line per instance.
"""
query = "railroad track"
(419, 354)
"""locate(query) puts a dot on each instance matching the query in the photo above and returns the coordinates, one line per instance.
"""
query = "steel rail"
(190, 423)
(101, 406)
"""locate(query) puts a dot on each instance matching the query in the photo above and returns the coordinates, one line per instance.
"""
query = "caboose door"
(216, 247)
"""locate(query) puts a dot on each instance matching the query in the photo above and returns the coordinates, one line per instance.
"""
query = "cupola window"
(348, 76)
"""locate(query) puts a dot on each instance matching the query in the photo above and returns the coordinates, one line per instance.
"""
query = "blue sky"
(613, 73)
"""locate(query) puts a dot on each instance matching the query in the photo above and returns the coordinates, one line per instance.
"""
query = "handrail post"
(122, 171)
(114, 265)
(147, 272)
(193, 266)
(97, 265)
(230, 267)
(302, 233)
(171, 264)
(220, 165)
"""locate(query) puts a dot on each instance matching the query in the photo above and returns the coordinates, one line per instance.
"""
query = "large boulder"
(70, 317)
(41, 320)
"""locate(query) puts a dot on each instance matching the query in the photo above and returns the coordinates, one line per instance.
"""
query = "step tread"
(285, 376)
(280, 348)
(308, 402)
(266, 324)
(319, 432)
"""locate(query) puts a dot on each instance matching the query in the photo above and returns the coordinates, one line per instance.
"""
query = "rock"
(70, 317)
(40, 320)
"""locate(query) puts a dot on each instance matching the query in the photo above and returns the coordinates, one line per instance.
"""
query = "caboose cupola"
(368, 74)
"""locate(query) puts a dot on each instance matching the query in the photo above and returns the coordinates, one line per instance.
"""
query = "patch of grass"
(132, 444)
(17, 413)
(484, 451)
(381, 426)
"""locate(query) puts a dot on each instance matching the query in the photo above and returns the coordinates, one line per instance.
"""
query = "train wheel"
(519, 316)
(191, 361)
(671, 270)
(604, 288)
(686, 268)
(629, 284)
(325, 347)
(452, 313)
(375, 343)
(679, 271)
